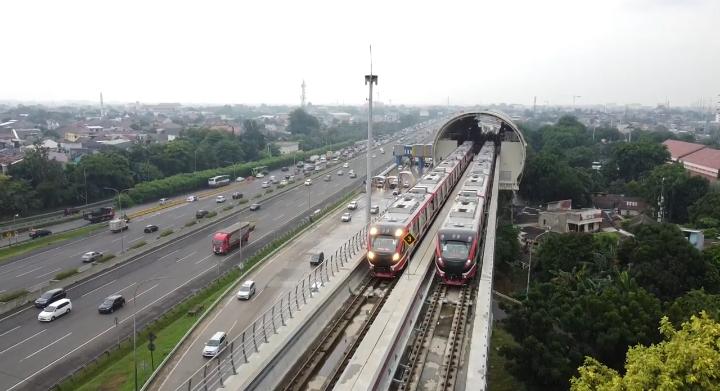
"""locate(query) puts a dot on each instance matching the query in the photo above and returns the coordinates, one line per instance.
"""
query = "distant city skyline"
(470, 53)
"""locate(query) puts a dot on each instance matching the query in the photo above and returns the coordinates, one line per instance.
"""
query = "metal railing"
(236, 353)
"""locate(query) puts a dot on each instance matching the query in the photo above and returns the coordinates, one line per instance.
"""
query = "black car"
(201, 213)
(38, 233)
(316, 259)
(254, 207)
(150, 228)
(111, 303)
(284, 169)
(237, 195)
(49, 297)
(299, 164)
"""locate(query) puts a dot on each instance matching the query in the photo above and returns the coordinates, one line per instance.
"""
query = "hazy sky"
(245, 51)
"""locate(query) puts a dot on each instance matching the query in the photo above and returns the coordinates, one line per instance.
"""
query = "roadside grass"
(138, 244)
(66, 273)
(499, 379)
(8, 252)
(166, 233)
(106, 257)
(114, 371)
(7, 296)
(191, 223)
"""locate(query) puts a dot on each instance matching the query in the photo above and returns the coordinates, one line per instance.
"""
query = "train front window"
(453, 249)
(384, 243)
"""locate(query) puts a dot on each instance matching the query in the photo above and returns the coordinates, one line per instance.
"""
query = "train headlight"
(468, 263)
(370, 255)
(440, 262)
(396, 257)
(373, 230)
(398, 232)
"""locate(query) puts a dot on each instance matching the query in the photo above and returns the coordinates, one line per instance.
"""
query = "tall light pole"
(537, 238)
(134, 324)
(233, 169)
(14, 232)
(369, 80)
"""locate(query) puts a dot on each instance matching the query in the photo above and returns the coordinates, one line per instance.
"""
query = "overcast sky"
(425, 52)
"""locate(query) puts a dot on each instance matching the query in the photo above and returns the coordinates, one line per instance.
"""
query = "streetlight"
(122, 215)
(134, 324)
(370, 80)
(233, 168)
(537, 238)
(14, 233)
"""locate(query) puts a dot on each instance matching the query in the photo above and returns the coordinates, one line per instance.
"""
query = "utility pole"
(369, 80)
(302, 95)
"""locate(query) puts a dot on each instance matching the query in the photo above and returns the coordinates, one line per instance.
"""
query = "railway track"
(316, 371)
(433, 357)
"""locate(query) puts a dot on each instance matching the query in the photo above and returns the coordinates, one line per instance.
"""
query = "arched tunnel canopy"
(485, 126)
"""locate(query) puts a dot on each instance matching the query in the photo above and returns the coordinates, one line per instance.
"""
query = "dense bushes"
(181, 183)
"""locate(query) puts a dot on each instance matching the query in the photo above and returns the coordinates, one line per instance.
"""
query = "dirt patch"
(114, 382)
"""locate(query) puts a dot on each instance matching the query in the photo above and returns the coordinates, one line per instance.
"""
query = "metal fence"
(236, 353)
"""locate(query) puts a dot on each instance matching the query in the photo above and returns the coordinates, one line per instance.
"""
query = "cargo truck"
(233, 236)
(101, 214)
(118, 225)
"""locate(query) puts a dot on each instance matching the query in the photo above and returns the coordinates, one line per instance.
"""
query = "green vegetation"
(228, 207)
(242, 201)
(106, 257)
(268, 191)
(115, 370)
(5, 297)
(211, 214)
(138, 244)
(500, 379)
(191, 223)
(686, 359)
(66, 273)
(258, 195)
(166, 232)
(25, 247)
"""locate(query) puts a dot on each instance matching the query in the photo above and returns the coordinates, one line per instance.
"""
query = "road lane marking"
(186, 257)
(10, 331)
(282, 216)
(47, 346)
(165, 256)
(34, 335)
(118, 292)
(203, 260)
(144, 292)
(115, 240)
(28, 272)
(48, 273)
(138, 238)
(101, 286)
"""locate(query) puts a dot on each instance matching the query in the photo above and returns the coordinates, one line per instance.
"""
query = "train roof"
(464, 216)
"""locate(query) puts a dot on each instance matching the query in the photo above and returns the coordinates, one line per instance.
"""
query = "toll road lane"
(92, 333)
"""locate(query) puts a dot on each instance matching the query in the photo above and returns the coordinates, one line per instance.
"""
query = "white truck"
(118, 225)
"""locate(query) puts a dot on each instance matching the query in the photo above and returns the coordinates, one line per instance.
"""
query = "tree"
(16, 196)
(253, 140)
(104, 170)
(665, 263)
(46, 176)
(632, 160)
(678, 188)
(300, 122)
(687, 359)
(692, 303)
(563, 252)
(560, 323)
(546, 178)
(707, 206)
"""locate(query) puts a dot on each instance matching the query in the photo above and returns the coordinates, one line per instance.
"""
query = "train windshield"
(453, 249)
(384, 243)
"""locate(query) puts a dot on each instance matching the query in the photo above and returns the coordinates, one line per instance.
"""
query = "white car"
(283, 182)
(191, 198)
(220, 199)
(163, 201)
(260, 175)
(91, 256)
(374, 209)
(373, 156)
(54, 310)
(308, 182)
(247, 290)
(340, 172)
(346, 217)
(215, 344)
(352, 205)
(265, 185)
(345, 165)
(240, 179)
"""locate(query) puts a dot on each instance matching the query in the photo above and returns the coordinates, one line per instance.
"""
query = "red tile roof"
(678, 149)
(706, 157)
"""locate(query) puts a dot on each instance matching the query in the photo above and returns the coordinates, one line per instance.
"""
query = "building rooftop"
(706, 157)
(679, 149)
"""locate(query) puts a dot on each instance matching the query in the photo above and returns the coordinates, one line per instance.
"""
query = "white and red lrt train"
(413, 212)
(458, 245)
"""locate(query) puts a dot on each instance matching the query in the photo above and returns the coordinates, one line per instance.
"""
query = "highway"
(273, 279)
(28, 347)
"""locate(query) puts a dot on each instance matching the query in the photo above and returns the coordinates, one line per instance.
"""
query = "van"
(50, 296)
(215, 344)
(317, 258)
(55, 310)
